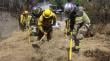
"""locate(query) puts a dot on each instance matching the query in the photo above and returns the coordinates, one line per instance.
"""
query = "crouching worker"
(78, 23)
(45, 23)
(25, 19)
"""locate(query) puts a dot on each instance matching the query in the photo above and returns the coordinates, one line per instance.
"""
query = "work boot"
(48, 38)
(76, 48)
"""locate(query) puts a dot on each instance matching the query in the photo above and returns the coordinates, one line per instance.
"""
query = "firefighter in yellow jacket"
(45, 23)
(25, 19)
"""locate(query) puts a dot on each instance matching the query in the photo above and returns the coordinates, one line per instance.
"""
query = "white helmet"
(36, 10)
(69, 7)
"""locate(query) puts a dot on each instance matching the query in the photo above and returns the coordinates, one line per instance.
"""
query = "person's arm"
(21, 19)
(76, 28)
(29, 21)
(40, 23)
(54, 19)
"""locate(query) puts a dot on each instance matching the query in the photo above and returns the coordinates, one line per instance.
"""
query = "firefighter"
(77, 22)
(25, 19)
(45, 23)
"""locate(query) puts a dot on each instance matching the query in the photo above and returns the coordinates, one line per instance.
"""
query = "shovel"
(43, 37)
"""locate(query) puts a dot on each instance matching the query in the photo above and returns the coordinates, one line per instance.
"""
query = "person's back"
(83, 21)
(81, 16)
(25, 19)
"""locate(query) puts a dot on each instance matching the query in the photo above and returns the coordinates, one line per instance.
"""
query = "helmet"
(26, 12)
(69, 8)
(36, 10)
(47, 13)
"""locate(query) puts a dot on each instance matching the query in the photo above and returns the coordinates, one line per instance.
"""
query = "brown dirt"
(18, 48)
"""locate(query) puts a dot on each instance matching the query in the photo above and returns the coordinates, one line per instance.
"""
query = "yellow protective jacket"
(46, 22)
(82, 19)
(25, 20)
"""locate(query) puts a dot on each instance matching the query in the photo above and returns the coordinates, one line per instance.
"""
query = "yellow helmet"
(25, 12)
(47, 13)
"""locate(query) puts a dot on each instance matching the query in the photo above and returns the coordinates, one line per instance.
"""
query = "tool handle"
(42, 37)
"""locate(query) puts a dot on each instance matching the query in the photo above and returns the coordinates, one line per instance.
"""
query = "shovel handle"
(42, 37)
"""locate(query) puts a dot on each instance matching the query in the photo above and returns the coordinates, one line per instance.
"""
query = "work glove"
(45, 33)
